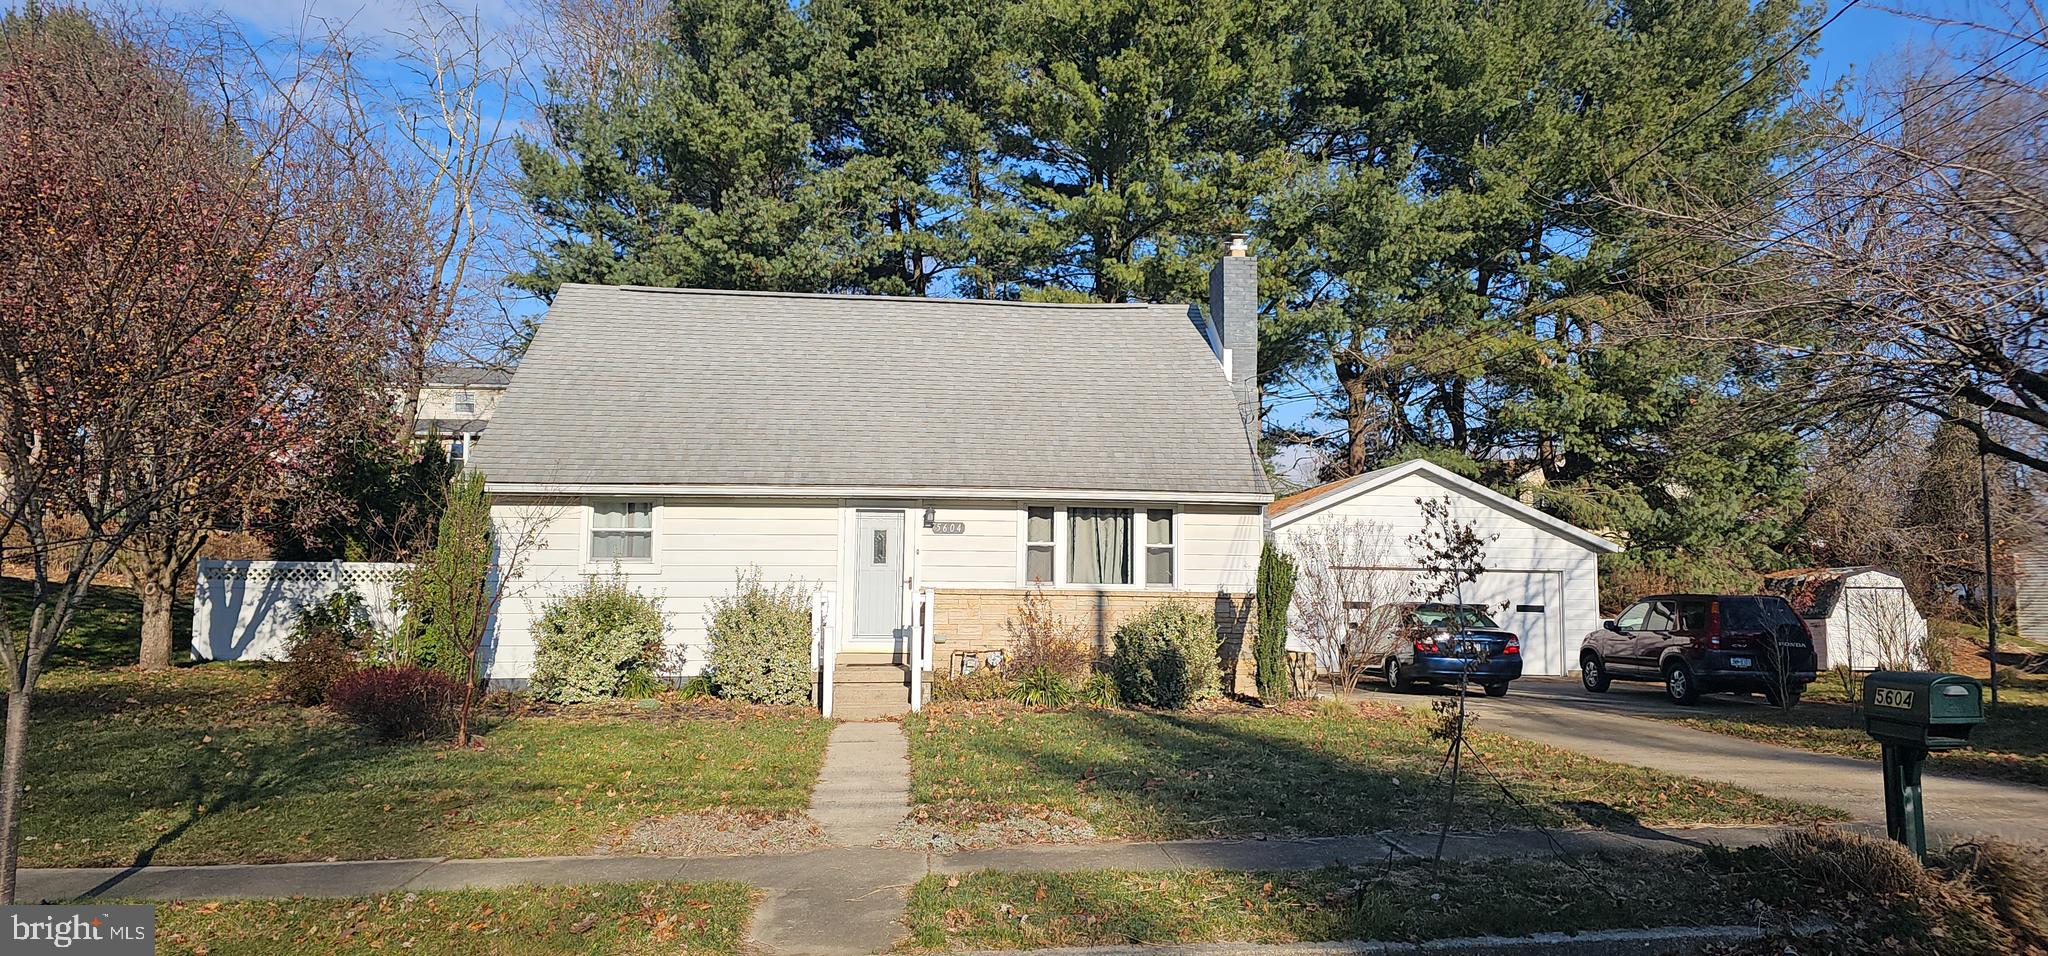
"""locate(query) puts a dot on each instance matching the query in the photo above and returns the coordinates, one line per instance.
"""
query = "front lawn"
(205, 765)
(2012, 745)
(1972, 899)
(1232, 772)
(1409, 901)
(620, 918)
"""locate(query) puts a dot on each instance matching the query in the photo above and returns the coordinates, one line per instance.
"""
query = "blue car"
(1438, 643)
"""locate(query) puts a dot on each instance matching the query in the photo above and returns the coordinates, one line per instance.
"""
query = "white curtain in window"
(1098, 546)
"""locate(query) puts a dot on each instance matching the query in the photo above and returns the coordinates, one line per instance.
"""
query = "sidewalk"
(844, 901)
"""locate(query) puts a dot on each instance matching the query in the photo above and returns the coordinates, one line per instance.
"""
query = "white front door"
(879, 581)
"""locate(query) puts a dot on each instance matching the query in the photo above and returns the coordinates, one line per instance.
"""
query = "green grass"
(1412, 901)
(204, 765)
(623, 918)
(2012, 745)
(106, 631)
(1165, 776)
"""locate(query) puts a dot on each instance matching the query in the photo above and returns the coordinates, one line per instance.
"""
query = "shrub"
(1276, 590)
(399, 703)
(326, 644)
(761, 642)
(601, 642)
(1042, 687)
(1042, 640)
(982, 685)
(1099, 690)
(1166, 657)
(695, 688)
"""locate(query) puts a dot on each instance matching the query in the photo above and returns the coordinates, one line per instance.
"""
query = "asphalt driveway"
(1613, 726)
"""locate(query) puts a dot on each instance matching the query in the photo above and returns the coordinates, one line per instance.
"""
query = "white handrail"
(822, 652)
(920, 649)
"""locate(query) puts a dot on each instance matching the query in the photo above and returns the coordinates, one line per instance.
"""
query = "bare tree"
(193, 309)
(1345, 587)
(1904, 264)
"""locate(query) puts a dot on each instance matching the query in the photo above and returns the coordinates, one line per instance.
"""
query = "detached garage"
(1542, 575)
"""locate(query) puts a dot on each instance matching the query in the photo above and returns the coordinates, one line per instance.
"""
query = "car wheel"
(1680, 685)
(1396, 681)
(1496, 690)
(1594, 674)
(1787, 700)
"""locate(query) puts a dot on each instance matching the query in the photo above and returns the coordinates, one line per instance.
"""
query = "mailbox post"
(1913, 713)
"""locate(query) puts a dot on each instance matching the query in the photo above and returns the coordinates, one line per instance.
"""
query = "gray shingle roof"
(630, 385)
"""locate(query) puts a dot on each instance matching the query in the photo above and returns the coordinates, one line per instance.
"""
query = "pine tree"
(1275, 592)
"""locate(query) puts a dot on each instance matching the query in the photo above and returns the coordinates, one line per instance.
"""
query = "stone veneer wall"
(977, 619)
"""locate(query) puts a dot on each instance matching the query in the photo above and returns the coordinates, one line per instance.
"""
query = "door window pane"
(1660, 617)
(1632, 619)
(881, 546)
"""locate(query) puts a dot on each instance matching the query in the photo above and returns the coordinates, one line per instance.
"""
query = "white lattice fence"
(244, 609)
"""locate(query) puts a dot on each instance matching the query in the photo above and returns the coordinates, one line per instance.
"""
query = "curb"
(1658, 941)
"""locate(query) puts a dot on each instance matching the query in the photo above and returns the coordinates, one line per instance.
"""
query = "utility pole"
(1990, 571)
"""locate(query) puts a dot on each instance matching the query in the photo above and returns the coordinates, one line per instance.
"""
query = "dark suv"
(1702, 644)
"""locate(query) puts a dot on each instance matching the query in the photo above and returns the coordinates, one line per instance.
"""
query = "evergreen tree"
(1269, 649)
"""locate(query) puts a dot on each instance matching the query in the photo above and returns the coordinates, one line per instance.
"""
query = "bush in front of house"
(1042, 687)
(1276, 591)
(327, 643)
(1041, 640)
(399, 703)
(600, 642)
(761, 642)
(1166, 656)
(985, 684)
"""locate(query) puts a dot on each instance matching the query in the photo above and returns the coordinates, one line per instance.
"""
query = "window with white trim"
(1100, 546)
(622, 531)
(465, 403)
(1159, 546)
(1038, 545)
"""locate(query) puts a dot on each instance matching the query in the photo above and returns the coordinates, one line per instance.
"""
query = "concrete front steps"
(865, 690)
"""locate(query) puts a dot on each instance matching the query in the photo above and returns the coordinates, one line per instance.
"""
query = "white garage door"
(1529, 604)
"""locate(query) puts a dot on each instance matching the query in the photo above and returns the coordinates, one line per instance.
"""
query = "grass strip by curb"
(623, 918)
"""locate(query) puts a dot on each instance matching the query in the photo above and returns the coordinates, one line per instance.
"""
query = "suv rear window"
(1762, 614)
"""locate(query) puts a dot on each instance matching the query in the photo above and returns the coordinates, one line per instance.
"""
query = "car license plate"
(1742, 662)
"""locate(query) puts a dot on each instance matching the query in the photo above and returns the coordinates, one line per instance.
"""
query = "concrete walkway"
(838, 902)
(1562, 714)
(863, 791)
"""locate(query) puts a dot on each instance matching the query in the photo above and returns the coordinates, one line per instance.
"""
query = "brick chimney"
(1234, 314)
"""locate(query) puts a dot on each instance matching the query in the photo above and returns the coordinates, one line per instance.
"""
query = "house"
(1540, 578)
(456, 403)
(1861, 617)
(895, 454)
(2030, 592)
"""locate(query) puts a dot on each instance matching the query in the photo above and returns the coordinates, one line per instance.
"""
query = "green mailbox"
(1934, 711)
(1911, 713)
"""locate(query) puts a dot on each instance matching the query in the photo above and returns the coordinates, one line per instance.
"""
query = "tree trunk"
(13, 756)
(1351, 377)
(157, 608)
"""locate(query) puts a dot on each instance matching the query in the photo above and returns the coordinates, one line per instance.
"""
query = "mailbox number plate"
(1893, 698)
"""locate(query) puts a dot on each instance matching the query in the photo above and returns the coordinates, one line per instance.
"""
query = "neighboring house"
(456, 404)
(2030, 592)
(1541, 575)
(1860, 617)
(883, 449)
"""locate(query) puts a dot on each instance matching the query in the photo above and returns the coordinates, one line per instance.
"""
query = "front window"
(458, 449)
(622, 531)
(1094, 546)
(465, 403)
(1099, 545)
(1038, 545)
